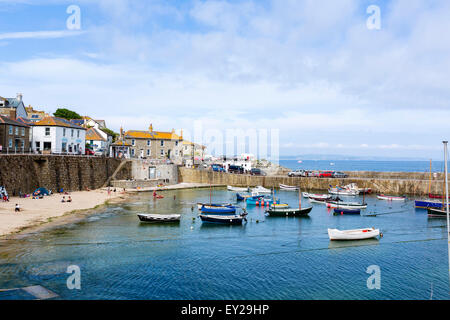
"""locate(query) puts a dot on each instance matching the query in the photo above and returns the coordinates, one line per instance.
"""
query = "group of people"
(4, 194)
(69, 199)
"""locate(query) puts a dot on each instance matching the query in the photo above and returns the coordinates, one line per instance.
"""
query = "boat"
(222, 219)
(147, 217)
(437, 213)
(237, 189)
(343, 192)
(242, 197)
(287, 211)
(343, 211)
(206, 209)
(200, 205)
(346, 205)
(390, 198)
(261, 189)
(425, 204)
(316, 196)
(257, 200)
(355, 234)
(289, 188)
(435, 196)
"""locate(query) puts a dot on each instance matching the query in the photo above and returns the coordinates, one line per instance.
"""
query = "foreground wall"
(407, 184)
(25, 173)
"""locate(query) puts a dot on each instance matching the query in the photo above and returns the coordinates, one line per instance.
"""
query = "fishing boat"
(261, 189)
(343, 211)
(207, 209)
(355, 234)
(346, 205)
(147, 217)
(222, 219)
(390, 198)
(237, 189)
(425, 204)
(288, 188)
(259, 200)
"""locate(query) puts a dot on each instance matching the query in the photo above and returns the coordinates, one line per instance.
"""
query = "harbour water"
(364, 165)
(266, 258)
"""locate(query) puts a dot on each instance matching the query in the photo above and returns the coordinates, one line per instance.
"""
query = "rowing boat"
(237, 189)
(343, 211)
(147, 217)
(286, 211)
(261, 189)
(288, 188)
(346, 205)
(218, 210)
(222, 219)
(355, 234)
(390, 198)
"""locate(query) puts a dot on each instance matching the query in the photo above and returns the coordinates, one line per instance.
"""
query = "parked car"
(297, 173)
(326, 174)
(339, 174)
(217, 168)
(313, 173)
(257, 172)
(89, 152)
(235, 169)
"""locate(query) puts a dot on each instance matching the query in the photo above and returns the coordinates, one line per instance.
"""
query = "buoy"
(257, 202)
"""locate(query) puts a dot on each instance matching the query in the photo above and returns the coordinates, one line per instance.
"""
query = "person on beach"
(69, 199)
(63, 199)
(17, 209)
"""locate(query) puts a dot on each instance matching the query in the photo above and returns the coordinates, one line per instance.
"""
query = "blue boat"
(222, 219)
(346, 211)
(218, 210)
(240, 197)
(425, 204)
(259, 199)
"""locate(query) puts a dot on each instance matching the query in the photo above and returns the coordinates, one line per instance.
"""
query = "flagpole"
(447, 204)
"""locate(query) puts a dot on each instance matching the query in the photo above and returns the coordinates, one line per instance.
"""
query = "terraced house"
(155, 144)
(14, 136)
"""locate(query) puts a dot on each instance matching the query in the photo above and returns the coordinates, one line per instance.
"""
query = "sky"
(311, 70)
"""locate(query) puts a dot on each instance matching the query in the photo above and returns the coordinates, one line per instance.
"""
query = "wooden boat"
(206, 209)
(261, 189)
(343, 211)
(200, 205)
(222, 219)
(147, 217)
(237, 189)
(346, 205)
(287, 211)
(425, 204)
(355, 234)
(390, 198)
(437, 213)
(343, 192)
(288, 188)
(316, 196)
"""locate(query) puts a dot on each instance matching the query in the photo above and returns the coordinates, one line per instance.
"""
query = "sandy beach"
(35, 212)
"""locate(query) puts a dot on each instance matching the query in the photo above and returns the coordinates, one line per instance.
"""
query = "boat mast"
(429, 182)
(447, 204)
(299, 198)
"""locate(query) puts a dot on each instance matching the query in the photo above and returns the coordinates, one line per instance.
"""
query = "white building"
(57, 135)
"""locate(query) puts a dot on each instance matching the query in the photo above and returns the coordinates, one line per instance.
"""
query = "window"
(47, 131)
(148, 143)
(78, 133)
(23, 131)
(185, 148)
(133, 142)
(162, 143)
(10, 143)
(148, 152)
(47, 145)
(132, 152)
(176, 143)
(10, 130)
(17, 131)
(38, 145)
(22, 144)
(64, 132)
(162, 152)
(71, 134)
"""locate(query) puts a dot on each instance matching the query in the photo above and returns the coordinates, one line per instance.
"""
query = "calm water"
(364, 165)
(275, 258)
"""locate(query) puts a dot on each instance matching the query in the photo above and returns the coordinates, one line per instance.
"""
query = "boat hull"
(159, 217)
(283, 212)
(218, 210)
(437, 213)
(425, 204)
(346, 211)
(345, 205)
(253, 201)
(225, 219)
(238, 189)
(357, 234)
(390, 198)
(288, 188)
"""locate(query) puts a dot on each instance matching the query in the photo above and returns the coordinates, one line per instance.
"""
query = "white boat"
(355, 234)
(343, 192)
(237, 189)
(286, 187)
(261, 189)
(346, 205)
(148, 217)
(318, 196)
(390, 198)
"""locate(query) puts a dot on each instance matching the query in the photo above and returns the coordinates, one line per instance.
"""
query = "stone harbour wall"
(25, 173)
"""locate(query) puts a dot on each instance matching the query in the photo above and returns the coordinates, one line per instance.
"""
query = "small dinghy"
(200, 205)
(261, 189)
(316, 196)
(285, 210)
(259, 201)
(342, 211)
(390, 198)
(222, 219)
(356, 234)
(343, 192)
(148, 217)
(207, 209)
(237, 189)
(288, 188)
(346, 205)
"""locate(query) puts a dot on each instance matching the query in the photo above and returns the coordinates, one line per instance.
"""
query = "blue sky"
(311, 69)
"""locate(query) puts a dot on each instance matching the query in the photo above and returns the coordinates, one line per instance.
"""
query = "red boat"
(435, 196)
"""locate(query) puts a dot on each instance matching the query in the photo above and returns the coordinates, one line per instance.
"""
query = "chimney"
(19, 97)
(181, 134)
(121, 133)
(150, 128)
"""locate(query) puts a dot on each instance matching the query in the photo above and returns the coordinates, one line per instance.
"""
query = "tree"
(66, 114)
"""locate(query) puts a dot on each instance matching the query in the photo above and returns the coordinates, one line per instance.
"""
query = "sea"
(364, 165)
(280, 258)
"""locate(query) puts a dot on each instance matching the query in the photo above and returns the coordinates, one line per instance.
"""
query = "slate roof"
(6, 120)
(94, 134)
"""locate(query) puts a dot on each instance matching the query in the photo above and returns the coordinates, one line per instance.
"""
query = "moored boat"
(355, 234)
(288, 188)
(238, 189)
(261, 189)
(147, 217)
(343, 211)
(390, 198)
(206, 209)
(346, 205)
(259, 201)
(437, 213)
(222, 219)
(200, 205)
(425, 204)
(343, 192)
(287, 211)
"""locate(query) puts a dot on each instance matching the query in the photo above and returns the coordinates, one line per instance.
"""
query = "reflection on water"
(265, 258)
